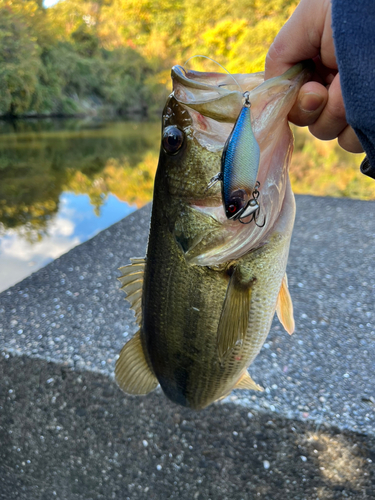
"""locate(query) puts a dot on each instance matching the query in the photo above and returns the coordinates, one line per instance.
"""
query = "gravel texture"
(70, 435)
(70, 320)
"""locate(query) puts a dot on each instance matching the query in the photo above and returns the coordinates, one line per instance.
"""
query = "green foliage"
(84, 56)
(19, 63)
(322, 168)
(71, 74)
(122, 80)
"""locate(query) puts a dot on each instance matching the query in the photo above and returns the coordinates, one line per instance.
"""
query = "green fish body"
(206, 292)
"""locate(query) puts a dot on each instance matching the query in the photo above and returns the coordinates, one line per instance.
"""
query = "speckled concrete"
(73, 436)
(70, 318)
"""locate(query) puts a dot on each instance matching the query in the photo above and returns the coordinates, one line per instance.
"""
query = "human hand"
(320, 105)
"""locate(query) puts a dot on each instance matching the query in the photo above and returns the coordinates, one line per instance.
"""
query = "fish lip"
(207, 101)
(179, 73)
(301, 71)
(193, 79)
(305, 69)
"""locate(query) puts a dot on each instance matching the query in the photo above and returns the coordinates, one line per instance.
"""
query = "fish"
(206, 292)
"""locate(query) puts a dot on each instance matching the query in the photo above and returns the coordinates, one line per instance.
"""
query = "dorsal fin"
(132, 371)
(284, 307)
(132, 283)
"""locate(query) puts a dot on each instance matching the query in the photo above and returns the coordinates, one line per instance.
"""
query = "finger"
(323, 74)
(332, 119)
(327, 46)
(349, 141)
(300, 38)
(312, 99)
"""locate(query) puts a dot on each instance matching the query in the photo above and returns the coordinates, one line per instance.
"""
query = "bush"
(67, 77)
(20, 64)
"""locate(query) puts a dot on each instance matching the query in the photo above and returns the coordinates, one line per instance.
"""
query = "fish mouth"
(214, 101)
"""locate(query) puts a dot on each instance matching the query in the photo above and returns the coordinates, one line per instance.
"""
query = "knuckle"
(336, 111)
(276, 49)
(272, 59)
(321, 132)
(349, 141)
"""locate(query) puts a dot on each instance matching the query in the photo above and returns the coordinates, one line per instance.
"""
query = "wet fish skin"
(201, 325)
(187, 363)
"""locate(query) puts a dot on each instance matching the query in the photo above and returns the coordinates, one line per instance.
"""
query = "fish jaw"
(271, 102)
(234, 239)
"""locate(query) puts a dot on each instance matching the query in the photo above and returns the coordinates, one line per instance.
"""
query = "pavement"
(68, 432)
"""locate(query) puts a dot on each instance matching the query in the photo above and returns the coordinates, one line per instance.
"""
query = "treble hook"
(252, 208)
(254, 218)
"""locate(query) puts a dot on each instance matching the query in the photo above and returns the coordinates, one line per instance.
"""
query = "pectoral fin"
(284, 307)
(246, 382)
(132, 371)
(132, 283)
(234, 317)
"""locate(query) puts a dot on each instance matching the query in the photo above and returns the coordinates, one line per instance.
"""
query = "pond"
(63, 181)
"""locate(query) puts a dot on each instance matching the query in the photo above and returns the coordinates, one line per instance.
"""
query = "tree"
(19, 62)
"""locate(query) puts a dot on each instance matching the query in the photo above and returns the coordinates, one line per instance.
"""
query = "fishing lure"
(239, 170)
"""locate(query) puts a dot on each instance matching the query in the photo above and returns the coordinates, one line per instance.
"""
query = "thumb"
(310, 103)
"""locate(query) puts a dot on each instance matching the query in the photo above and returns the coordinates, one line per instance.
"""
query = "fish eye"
(173, 139)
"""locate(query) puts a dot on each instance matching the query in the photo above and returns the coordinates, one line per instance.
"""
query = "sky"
(74, 223)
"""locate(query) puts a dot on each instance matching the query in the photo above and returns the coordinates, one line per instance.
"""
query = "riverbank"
(92, 108)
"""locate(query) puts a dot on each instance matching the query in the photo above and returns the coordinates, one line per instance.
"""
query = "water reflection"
(63, 181)
(74, 223)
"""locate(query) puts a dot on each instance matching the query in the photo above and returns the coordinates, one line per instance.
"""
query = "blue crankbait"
(239, 170)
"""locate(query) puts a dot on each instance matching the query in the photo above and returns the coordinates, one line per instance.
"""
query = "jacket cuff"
(367, 168)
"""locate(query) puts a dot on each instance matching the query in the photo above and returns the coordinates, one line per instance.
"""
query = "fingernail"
(311, 102)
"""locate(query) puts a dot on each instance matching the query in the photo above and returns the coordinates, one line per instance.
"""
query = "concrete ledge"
(62, 328)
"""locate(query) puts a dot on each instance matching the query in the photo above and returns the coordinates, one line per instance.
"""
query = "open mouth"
(214, 101)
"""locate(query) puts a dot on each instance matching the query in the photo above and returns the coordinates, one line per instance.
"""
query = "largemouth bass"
(206, 292)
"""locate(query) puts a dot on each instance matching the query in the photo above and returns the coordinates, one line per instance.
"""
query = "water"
(61, 182)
